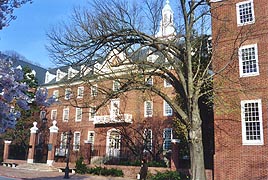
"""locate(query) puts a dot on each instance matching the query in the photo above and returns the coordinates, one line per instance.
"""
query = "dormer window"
(71, 72)
(60, 75)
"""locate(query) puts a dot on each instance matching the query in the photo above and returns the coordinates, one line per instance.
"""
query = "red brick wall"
(233, 160)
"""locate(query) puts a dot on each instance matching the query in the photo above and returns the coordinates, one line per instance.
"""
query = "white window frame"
(167, 84)
(116, 85)
(54, 114)
(238, 13)
(149, 144)
(91, 138)
(92, 113)
(167, 137)
(245, 140)
(78, 114)
(80, 92)
(167, 110)
(67, 93)
(150, 81)
(76, 144)
(56, 95)
(94, 90)
(146, 109)
(115, 108)
(242, 74)
(65, 110)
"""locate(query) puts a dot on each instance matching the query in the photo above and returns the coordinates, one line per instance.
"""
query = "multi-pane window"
(167, 83)
(94, 90)
(167, 136)
(148, 109)
(80, 92)
(245, 12)
(115, 105)
(252, 130)
(68, 93)
(76, 145)
(65, 116)
(54, 114)
(62, 150)
(116, 85)
(167, 109)
(149, 81)
(78, 115)
(248, 60)
(56, 95)
(90, 138)
(148, 139)
(92, 113)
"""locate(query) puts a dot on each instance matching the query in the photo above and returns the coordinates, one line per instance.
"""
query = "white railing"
(108, 119)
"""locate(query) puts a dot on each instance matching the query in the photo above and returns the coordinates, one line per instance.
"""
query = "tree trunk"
(196, 147)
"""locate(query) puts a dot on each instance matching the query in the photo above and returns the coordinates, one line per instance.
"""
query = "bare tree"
(118, 38)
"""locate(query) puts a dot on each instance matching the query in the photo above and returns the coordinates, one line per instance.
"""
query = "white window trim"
(66, 93)
(145, 109)
(164, 109)
(244, 140)
(63, 114)
(56, 95)
(74, 142)
(76, 114)
(91, 140)
(151, 138)
(90, 113)
(114, 83)
(166, 84)
(240, 61)
(53, 110)
(165, 138)
(237, 13)
(82, 94)
(92, 90)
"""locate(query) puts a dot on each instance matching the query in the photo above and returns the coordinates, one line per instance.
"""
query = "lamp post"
(69, 137)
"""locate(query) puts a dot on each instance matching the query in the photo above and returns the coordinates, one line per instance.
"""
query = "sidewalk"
(39, 175)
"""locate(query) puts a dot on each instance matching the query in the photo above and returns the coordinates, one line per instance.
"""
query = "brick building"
(142, 116)
(240, 39)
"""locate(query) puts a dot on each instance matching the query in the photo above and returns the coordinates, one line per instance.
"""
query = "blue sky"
(27, 34)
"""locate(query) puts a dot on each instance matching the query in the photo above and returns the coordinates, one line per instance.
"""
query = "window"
(149, 81)
(116, 85)
(92, 113)
(94, 90)
(62, 150)
(80, 92)
(148, 109)
(245, 13)
(115, 105)
(251, 114)
(56, 95)
(167, 83)
(65, 114)
(248, 60)
(90, 138)
(76, 146)
(54, 114)
(148, 139)
(167, 136)
(167, 109)
(78, 115)
(68, 93)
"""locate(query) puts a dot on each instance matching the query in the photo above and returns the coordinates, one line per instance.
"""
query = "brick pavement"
(39, 175)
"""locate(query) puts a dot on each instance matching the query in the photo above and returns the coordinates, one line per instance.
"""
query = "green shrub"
(106, 172)
(169, 175)
(157, 164)
(81, 168)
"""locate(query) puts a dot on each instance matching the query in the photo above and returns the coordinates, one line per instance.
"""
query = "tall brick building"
(107, 129)
(240, 41)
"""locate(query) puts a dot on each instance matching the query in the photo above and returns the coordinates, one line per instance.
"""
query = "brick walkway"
(34, 174)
